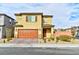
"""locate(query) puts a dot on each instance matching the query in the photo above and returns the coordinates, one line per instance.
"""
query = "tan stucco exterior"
(21, 20)
(29, 25)
(47, 20)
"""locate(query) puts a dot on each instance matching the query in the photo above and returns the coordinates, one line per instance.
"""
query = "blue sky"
(64, 14)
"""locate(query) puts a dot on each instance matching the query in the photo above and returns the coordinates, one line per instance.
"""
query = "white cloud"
(61, 12)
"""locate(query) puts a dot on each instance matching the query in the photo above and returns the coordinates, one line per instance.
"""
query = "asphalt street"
(38, 51)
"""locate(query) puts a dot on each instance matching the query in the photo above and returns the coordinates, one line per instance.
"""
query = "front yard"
(41, 41)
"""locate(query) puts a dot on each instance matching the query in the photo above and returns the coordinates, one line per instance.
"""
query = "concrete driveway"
(24, 41)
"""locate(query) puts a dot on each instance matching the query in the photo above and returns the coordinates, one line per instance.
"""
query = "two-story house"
(33, 26)
(6, 26)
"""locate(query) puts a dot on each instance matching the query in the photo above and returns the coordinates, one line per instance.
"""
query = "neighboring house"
(63, 32)
(33, 26)
(76, 29)
(6, 26)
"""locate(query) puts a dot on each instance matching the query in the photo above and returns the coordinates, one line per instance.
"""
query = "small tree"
(57, 39)
(73, 33)
(50, 38)
(8, 34)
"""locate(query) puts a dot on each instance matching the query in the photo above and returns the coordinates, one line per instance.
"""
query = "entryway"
(46, 32)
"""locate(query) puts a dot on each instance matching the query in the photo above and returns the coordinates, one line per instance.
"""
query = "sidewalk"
(39, 45)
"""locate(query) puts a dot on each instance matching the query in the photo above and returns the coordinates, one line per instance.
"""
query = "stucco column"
(15, 33)
(40, 35)
(52, 32)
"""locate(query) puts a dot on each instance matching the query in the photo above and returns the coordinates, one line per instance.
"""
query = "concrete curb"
(39, 45)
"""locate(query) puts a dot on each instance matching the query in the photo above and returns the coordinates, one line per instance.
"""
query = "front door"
(44, 32)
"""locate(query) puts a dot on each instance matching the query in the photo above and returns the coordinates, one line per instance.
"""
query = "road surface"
(38, 51)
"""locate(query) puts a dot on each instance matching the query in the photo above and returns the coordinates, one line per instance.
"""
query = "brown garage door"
(32, 34)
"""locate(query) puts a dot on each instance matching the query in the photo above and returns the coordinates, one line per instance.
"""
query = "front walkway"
(39, 45)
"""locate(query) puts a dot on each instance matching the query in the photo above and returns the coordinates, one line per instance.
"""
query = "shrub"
(4, 41)
(8, 34)
(8, 39)
(64, 38)
(50, 38)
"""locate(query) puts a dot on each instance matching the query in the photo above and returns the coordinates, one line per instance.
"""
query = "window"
(10, 21)
(31, 19)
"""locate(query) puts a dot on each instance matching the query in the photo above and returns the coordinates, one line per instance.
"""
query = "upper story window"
(10, 21)
(31, 18)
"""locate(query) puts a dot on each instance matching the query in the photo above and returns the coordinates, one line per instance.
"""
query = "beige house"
(33, 26)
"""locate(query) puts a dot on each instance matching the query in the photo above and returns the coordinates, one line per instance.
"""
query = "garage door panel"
(27, 33)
